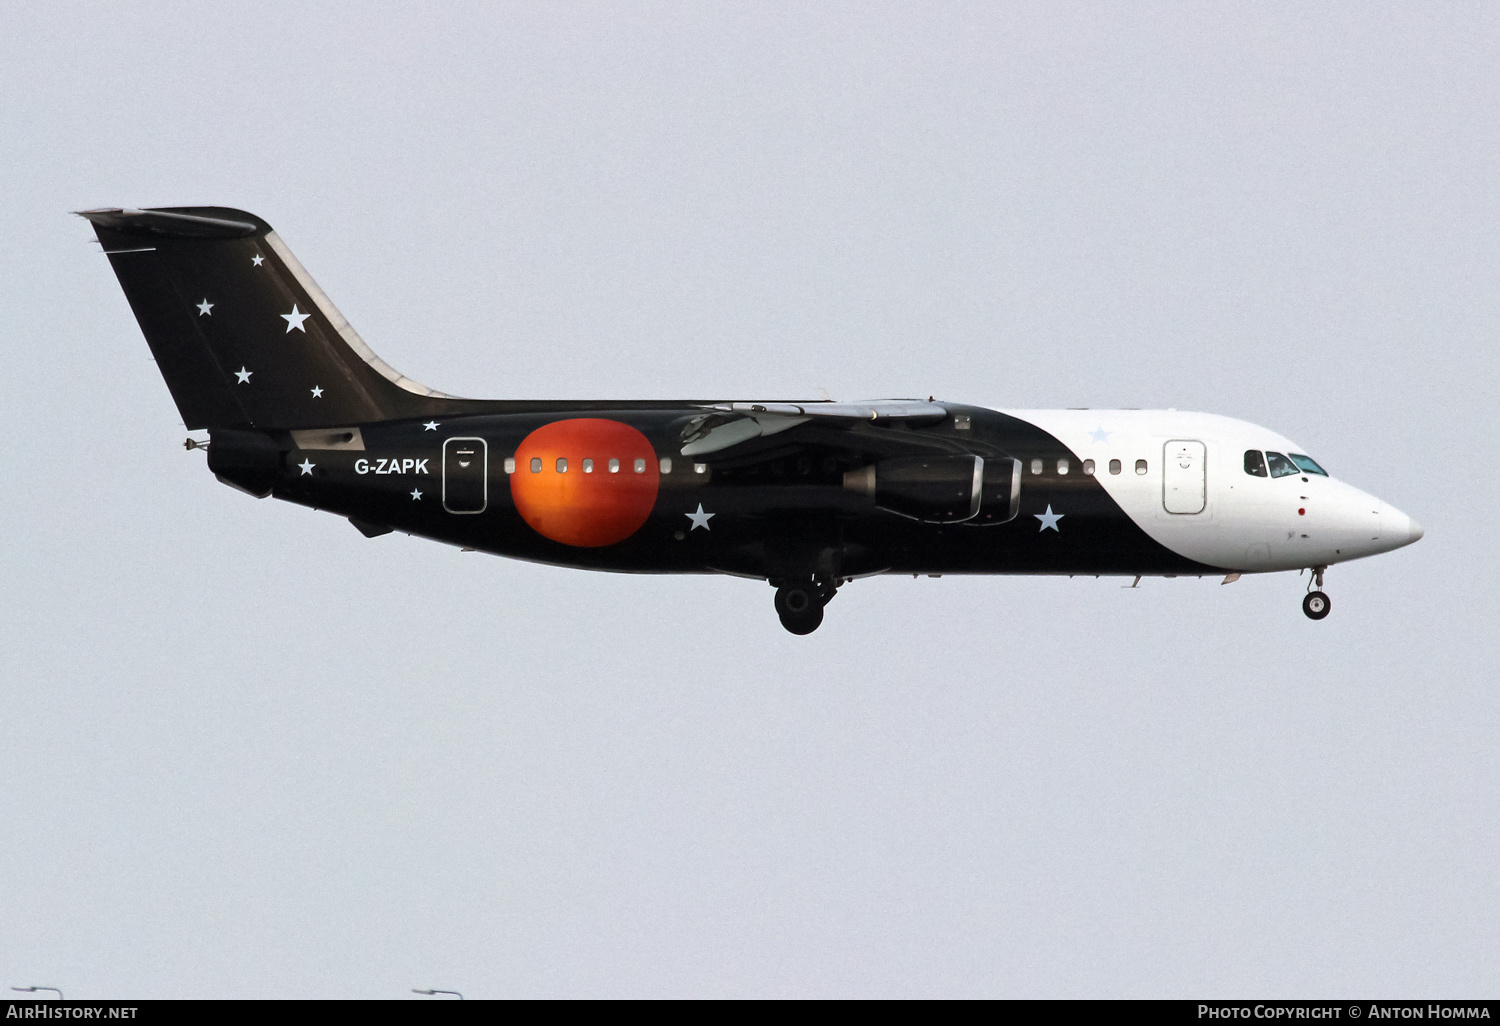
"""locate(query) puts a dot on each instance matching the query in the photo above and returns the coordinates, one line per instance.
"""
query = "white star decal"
(431, 425)
(317, 392)
(700, 518)
(257, 260)
(205, 308)
(1049, 519)
(415, 495)
(1101, 435)
(306, 466)
(243, 375)
(294, 320)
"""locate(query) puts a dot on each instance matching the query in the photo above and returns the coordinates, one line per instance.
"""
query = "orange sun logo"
(586, 482)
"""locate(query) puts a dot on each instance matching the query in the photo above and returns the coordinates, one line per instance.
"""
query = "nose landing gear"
(799, 603)
(1316, 604)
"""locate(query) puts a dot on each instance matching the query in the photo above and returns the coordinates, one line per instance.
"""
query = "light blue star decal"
(295, 319)
(700, 518)
(1100, 435)
(1049, 520)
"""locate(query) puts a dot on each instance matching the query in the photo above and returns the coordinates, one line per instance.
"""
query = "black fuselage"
(780, 507)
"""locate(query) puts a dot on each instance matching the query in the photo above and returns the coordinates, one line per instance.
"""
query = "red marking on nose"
(1302, 512)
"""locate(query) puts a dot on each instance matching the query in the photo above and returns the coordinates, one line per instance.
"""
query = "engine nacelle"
(943, 489)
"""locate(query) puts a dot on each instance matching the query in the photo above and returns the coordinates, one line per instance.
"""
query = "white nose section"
(1399, 530)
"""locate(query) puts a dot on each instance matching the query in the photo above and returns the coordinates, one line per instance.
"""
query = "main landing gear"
(1316, 604)
(800, 603)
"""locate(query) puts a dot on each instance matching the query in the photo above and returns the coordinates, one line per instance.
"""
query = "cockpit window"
(1280, 465)
(1307, 464)
(1255, 463)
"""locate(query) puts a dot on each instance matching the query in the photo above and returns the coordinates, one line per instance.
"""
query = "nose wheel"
(800, 604)
(1316, 604)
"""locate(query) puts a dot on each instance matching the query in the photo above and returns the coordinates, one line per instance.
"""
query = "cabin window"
(700, 468)
(536, 464)
(614, 466)
(1036, 466)
(562, 464)
(1114, 466)
(1280, 465)
(588, 466)
(510, 464)
(1088, 468)
(1062, 466)
(666, 464)
(961, 422)
(1308, 465)
(1255, 463)
(1140, 466)
(640, 466)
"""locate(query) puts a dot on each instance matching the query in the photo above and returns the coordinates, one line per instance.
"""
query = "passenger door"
(465, 485)
(1184, 476)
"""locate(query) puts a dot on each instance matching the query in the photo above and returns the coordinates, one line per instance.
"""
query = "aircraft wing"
(728, 424)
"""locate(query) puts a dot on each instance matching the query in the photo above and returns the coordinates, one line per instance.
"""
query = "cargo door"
(1184, 476)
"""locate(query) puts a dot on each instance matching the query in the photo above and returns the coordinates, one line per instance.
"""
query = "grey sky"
(245, 751)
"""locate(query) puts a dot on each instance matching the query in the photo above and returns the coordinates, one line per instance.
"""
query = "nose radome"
(1399, 529)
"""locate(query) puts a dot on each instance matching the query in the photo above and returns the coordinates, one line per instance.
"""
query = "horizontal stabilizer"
(174, 224)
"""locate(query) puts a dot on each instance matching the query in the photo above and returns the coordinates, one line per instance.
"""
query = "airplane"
(805, 495)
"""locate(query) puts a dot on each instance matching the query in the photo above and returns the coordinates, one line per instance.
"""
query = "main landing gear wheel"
(1316, 605)
(800, 606)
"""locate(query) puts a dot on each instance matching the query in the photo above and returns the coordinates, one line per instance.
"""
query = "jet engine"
(943, 489)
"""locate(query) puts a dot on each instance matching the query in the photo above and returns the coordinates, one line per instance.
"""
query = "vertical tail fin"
(242, 334)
